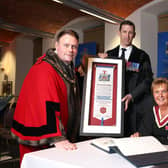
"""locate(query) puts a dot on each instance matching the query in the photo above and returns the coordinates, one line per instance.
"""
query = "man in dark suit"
(138, 76)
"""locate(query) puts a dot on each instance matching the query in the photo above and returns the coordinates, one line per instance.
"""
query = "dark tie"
(124, 65)
(123, 53)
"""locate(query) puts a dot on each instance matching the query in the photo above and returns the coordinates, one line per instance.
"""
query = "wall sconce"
(2, 69)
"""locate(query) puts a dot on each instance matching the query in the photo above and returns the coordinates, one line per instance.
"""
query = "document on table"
(130, 146)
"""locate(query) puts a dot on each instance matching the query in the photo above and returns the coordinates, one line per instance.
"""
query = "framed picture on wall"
(89, 48)
(102, 108)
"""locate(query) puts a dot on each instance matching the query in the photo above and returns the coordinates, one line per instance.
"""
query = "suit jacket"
(137, 83)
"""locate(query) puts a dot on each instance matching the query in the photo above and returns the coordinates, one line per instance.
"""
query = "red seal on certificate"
(102, 110)
(166, 127)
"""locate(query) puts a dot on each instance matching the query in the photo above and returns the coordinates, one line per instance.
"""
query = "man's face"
(126, 34)
(67, 48)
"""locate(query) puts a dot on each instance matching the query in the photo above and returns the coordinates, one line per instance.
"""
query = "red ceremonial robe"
(42, 101)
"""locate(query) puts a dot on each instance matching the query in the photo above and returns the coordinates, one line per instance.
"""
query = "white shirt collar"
(127, 52)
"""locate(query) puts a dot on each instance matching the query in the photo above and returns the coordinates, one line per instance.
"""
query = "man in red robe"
(48, 107)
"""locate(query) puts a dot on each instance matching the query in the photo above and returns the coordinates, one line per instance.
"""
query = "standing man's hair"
(70, 32)
(127, 22)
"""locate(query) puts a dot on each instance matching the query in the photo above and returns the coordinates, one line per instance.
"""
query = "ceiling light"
(91, 10)
(100, 17)
(58, 1)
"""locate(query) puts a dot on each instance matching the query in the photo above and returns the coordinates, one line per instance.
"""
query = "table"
(86, 156)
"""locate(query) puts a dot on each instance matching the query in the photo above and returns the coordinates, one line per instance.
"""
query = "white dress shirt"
(127, 52)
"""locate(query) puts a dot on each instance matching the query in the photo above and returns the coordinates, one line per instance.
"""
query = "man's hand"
(66, 145)
(102, 55)
(127, 99)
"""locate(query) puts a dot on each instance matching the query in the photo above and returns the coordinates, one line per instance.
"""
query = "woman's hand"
(65, 144)
(136, 134)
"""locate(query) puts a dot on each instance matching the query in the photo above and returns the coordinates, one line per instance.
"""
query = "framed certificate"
(102, 108)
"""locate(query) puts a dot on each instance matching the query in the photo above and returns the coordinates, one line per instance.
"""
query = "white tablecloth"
(86, 156)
